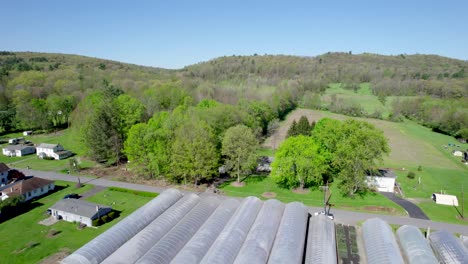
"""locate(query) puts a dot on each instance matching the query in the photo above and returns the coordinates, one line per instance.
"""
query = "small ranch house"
(383, 181)
(3, 173)
(55, 151)
(74, 210)
(18, 150)
(28, 188)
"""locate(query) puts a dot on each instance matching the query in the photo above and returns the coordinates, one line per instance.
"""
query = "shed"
(383, 180)
(445, 199)
(457, 153)
(27, 133)
(74, 210)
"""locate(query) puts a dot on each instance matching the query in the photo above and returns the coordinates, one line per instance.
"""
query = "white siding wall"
(38, 192)
(383, 184)
(69, 217)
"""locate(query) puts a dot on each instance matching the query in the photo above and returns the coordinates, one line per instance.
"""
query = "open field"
(23, 240)
(257, 185)
(411, 146)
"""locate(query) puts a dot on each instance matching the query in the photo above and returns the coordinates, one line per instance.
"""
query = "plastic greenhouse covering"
(165, 250)
(259, 241)
(379, 242)
(414, 246)
(104, 245)
(229, 242)
(290, 238)
(448, 248)
(321, 240)
(137, 246)
(201, 242)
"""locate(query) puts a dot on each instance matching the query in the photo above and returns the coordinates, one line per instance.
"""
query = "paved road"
(413, 210)
(341, 216)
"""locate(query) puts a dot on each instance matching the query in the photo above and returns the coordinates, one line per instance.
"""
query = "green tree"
(292, 131)
(131, 112)
(303, 126)
(299, 161)
(239, 146)
(194, 155)
(147, 147)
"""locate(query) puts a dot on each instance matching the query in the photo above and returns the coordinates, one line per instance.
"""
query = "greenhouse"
(104, 245)
(138, 245)
(165, 250)
(259, 241)
(379, 242)
(229, 242)
(199, 244)
(448, 248)
(414, 246)
(290, 239)
(321, 240)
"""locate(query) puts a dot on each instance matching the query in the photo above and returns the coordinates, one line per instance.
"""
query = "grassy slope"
(412, 145)
(18, 232)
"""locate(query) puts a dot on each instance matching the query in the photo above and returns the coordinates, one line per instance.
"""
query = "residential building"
(383, 181)
(29, 188)
(18, 150)
(55, 151)
(75, 210)
(3, 173)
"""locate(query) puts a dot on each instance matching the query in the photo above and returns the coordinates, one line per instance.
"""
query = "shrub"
(419, 168)
(411, 175)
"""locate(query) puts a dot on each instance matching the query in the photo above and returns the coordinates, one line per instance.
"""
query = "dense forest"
(40, 90)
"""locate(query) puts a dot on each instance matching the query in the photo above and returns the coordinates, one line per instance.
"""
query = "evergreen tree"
(292, 131)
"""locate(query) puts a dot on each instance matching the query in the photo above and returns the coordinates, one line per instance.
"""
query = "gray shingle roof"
(78, 207)
(3, 167)
(17, 147)
(47, 145)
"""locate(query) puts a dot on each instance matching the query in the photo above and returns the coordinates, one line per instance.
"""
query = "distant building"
(18, 150)
(28, 188)
(3, 173)
(27, 133)
(457, 153)
(55, 151)
(445, 199)
(383, 181)
(74, 210)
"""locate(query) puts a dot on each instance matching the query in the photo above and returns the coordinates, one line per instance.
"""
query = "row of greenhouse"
(178, 228)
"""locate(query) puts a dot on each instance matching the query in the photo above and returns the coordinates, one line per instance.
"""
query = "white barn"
(384, 181)
(18, 150)
(55, 151)
(74, 210)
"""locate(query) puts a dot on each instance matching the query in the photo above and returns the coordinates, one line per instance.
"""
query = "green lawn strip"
(263, 151)
(444, 213)
(256, 186)
(23, 240)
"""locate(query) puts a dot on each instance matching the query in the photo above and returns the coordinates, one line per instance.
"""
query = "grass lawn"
(257, 185)
(65, 137)
(23, 240)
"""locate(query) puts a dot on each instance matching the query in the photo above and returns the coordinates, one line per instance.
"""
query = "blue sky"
(173, 34)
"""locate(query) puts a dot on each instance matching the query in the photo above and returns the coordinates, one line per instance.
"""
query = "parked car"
(71, 196)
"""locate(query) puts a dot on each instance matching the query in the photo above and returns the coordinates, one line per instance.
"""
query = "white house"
(445, 199)
(3, 173)
(55, 151)
(384, 181)
(18, 150)
(457, 153)
(28, 188)
(74, 210)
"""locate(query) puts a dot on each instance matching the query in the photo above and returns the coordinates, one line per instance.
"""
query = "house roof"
(26, 185)
(17, 147)
(47, 145)
(78, 207)
(3, 167)
(384, 173)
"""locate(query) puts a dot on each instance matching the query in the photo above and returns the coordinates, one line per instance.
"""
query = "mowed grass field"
(66, 138)
(24, 240)
(411, 146)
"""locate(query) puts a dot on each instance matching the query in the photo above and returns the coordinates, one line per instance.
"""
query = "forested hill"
(34, 84)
